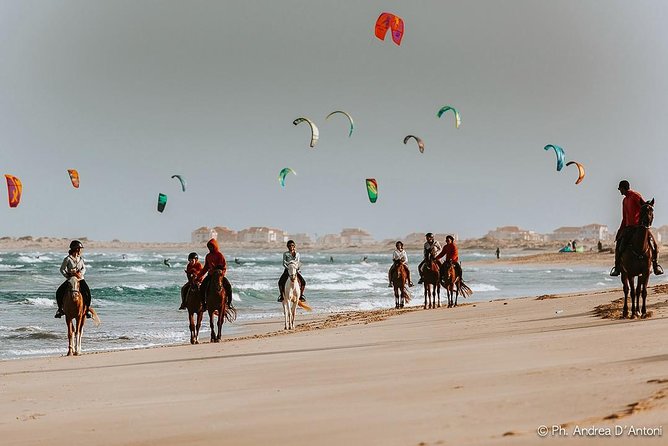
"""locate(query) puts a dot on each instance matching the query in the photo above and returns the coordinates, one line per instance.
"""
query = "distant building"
(203, 235)
(301, 239)
(225, 235)
(514, 233)
(329, 240)
(594, 231)
(662, 233)
(566, 233)
(261, 234)
(355, 237)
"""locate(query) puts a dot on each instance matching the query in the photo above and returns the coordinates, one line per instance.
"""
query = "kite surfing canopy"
(182, 181)
(162, 202)
(14, 189)
(560, 155)
(372, 189)
(74, 177)
(314, 130)
(283, 173)
(581, 171)
(387, 21)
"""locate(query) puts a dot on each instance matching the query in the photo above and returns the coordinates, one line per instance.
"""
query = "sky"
(132, 92)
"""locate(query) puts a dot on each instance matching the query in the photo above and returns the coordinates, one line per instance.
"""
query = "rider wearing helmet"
(192, 272)
(73, 266)
(291, 256)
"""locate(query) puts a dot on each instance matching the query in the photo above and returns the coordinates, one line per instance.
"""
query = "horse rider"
(73, 266)
(291, 256)
(451, 254)
(399, 257)
(430, 249)
(214, 260)
(193, 269)
(631, 205)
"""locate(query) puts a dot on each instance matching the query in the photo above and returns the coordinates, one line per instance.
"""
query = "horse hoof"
(69, 353)
(633, 316)
(192, 341)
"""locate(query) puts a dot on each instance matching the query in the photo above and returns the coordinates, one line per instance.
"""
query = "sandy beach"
(485, 373)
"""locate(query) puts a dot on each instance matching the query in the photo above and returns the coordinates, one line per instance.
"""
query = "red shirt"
(213, 259)
(450, 252)
(631, 205)
(193, 270)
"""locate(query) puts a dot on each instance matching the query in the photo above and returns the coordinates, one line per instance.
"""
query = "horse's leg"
(200, 316)
(286, 310)
(292, 313)
(426, 291)
(70, 336)
(639, 288)
(644, 295)
(625, 285)
(396, 296)
(213, 329)
(221, 319)
(438, 293)
(191, 325)
(80, 326)
(632, 290)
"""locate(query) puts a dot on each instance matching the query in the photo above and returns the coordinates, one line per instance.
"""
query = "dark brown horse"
(636, 260)
(216, 302)
(452, 282)
(432, 284)
(399, 281)
(194, 306)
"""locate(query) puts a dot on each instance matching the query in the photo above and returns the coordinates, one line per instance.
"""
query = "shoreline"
(487, 372)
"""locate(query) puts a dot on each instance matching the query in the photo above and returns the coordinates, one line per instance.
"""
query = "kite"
(350, 118)
(458, 119)
(395, 23)
(14, 189)
(314, 130)
(581, 171)
(162, 202)
(283, 173)
(74, 177)
(560, 155)
(419, 141)
(372, 189)
(182, 180)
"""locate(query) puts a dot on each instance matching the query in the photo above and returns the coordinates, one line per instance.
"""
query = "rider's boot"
(302, 298)
(658, 270)
(59, 313)
(280, 298)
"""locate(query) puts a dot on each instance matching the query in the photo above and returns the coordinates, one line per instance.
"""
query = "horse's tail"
(96, 319)
(305, 306)
(406, 295)
(464, 289)
(230, 313)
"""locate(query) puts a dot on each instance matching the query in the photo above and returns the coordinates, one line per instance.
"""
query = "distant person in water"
(331, 259)
(364, 259)
(166, 263)
(193, 270)
(237, 261)
(498, 253)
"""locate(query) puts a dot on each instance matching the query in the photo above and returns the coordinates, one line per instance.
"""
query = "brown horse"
(216, 302)
(399, 281)
(75, 316)
(636, 260)
(194, 306)
(452, 282)
(432, 283)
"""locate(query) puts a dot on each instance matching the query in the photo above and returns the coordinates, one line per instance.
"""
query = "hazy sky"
(131, 92)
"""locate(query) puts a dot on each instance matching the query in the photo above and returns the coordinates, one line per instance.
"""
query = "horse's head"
(73, 285)
(647, 213)
(292, 271)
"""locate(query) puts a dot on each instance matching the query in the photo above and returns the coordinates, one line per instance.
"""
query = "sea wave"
(10, 267)
(43, 302)
(482, 287)
(138, 269)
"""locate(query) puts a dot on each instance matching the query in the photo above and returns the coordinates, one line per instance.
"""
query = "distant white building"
(514, 233)
(225, 235)
(355, 237)
(301, 239)
(329, 240)
(261, 234)
(203, 235)
(594, 231)
(565, 233)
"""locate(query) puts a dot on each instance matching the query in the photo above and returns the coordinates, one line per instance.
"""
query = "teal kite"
(560, 155)
(458, 119)
(283, 173)
(162, 202)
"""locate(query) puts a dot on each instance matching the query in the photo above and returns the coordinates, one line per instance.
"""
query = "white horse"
(291, 292)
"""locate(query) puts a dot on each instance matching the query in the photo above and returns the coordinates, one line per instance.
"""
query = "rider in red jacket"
(214, 260)
(631, 205)
(451, 254)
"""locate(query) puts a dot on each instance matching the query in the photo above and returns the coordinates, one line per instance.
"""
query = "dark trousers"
(83, 287)
(205, 285)
(284, 278)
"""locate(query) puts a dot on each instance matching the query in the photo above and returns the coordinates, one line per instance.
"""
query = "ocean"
(136, 295)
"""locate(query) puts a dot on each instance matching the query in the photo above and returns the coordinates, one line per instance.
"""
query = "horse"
(452, 281)
(291, 292)
(399, 280)
(194, 306)
(636, 260)
(216, 302)
(75, 316)
(432, 283)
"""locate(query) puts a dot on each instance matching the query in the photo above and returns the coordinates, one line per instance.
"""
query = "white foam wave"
(43, 302)
(350, 286)
(10, 267)
(257, 286)
(138, 269)
(26, 259)
(140, 287)
(482, 287)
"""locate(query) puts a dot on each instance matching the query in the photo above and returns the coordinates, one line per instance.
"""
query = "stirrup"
(302, 298)
(280, 298)
(658, 270)
(615, 272)
(59, 314)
